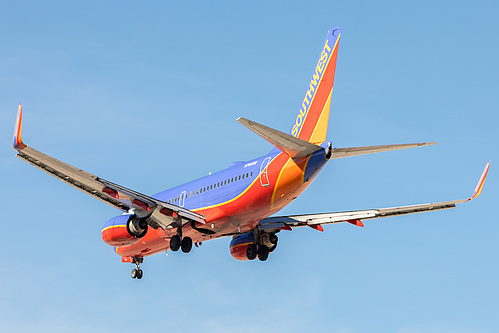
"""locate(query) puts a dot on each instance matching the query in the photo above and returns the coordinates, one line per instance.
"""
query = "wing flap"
(150, 202)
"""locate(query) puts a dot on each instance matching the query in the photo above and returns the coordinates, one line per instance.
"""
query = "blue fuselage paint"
(216, 188)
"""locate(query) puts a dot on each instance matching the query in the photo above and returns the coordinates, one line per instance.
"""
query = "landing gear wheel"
(186, 244)
(251, 252)
(263, 252)
(175, 243)
(137, 272)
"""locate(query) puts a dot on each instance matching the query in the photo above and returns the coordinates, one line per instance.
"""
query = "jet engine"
(239, 246)
(124, 230)
(248, 246)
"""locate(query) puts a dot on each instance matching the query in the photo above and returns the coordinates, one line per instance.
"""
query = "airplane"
(240, 201)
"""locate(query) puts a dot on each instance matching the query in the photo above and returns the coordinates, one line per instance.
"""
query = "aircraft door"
(181, 201)
(264, 178)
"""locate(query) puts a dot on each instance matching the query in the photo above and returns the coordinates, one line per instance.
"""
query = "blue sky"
(146, 95)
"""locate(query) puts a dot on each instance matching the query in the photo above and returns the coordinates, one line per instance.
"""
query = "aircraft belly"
(156, 241)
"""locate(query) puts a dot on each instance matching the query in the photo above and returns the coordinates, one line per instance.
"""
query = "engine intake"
(136, 227)
(124, 230)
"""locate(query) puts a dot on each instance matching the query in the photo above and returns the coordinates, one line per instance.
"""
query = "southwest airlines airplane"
(240, 201)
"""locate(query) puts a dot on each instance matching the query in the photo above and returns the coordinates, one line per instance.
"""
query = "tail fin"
(312, 120)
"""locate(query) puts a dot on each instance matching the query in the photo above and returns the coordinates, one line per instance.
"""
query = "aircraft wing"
(157, 213)
(356, 217)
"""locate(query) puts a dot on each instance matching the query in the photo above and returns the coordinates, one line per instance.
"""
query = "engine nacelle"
(124, 230)
(239, 245)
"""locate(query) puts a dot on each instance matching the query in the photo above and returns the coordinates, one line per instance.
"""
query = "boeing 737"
(240, 201)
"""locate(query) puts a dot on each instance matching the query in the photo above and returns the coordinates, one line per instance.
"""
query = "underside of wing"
(356, 217)
(158, 214)
(353, 217)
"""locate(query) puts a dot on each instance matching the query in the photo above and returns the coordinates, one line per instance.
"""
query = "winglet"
(18, 142)
(479, 186)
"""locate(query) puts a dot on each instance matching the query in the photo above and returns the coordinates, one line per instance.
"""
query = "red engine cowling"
(239, 245)
(123, 230)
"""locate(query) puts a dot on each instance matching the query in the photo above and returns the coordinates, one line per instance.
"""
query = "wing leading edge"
(158, 214)
(355, 217)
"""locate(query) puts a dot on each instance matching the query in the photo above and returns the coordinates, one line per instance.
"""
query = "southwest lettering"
(315, 78)
(309, 94)
(312, 87)
(327, 47)
(299, 119)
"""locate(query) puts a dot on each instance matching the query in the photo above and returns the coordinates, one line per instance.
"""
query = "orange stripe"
(238, 245)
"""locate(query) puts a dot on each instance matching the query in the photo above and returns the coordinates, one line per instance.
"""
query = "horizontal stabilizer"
(288, 144)
(356, 151)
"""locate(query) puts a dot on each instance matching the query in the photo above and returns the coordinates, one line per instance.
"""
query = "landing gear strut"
(137, 272)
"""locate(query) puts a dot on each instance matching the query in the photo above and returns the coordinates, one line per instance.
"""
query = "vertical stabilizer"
(312, 120)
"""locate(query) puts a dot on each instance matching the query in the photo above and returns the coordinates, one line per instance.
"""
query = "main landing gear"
(177, 242)
(261, 248)
(137, 272)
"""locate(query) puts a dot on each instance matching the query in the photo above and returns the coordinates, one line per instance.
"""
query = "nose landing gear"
(137, 272)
